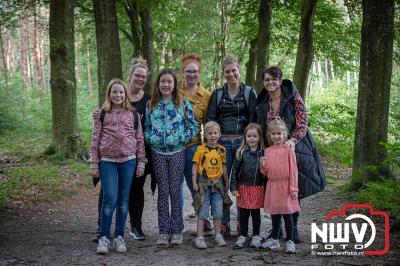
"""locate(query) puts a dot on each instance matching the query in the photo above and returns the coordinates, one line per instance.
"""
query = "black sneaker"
(137, 233)
(225, 229)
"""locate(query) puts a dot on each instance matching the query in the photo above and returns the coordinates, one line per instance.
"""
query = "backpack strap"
(135, 119)
(247, 90)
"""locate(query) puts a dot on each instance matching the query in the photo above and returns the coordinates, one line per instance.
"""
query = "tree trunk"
(89, 72)
(108, 48)
(305, 51)
(320, 82)
(332, 70)
(132, 10)
(264, 37)
(242, 48)
(3, 59)
(252, 63)
(24, 60)
(148, 46)
(224, 29)
(285, 58)
(66, 139)
(376, 60)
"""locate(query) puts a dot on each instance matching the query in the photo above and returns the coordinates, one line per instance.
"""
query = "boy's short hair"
(211, 124)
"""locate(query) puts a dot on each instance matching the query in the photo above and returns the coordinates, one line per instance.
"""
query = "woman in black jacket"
(231, 106)
(281, 98)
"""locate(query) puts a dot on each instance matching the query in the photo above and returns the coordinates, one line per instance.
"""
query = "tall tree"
(147, 43)
(108, 47)
(251, 64)
(376, 59)
(305, 51)
(66, 138)
(132, 10)
(264, 37)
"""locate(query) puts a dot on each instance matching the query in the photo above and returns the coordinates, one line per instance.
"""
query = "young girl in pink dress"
(279, 165)
(247, 184)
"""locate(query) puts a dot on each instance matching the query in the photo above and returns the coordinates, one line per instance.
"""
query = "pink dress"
(281, 171)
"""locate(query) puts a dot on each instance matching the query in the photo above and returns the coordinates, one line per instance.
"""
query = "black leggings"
(136, 201)
(276, 224)
(244, 221)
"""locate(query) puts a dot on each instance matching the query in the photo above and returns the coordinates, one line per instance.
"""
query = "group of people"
(135, 134)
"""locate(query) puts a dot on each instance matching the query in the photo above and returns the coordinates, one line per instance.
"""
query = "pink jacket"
(116, 140)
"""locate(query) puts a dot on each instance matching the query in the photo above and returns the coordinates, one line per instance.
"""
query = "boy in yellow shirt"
(209, 167)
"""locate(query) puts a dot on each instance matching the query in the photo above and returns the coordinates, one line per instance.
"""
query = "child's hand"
(195, 187)
(263, 161)
(95, 172)
(139, 171)
(235, 193)
(293, 195)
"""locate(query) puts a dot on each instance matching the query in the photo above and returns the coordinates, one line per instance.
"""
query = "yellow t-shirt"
(209, 161)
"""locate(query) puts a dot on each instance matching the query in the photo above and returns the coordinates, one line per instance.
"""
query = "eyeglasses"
(191, 71)
(140, 76)
(271, 80)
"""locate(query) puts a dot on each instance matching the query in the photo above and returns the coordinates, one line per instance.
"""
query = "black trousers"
(136, 201)
(276, 225)
(244, 221)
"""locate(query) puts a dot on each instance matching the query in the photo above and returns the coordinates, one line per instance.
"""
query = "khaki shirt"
(199, 102)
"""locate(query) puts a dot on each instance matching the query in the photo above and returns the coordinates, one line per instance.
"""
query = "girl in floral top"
(116, 148)
(170, 125)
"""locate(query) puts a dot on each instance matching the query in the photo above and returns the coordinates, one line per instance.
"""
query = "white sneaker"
(240, 242)
(272, 244)
(200, 243)
(103, 245)
(219, 240)
(290, 247)
(119, 244)
(255, 242)
(177, 239)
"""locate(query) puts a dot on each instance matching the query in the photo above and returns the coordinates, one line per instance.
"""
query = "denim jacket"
(168, 130)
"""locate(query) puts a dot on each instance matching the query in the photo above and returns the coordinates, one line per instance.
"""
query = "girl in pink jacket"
(116, 152)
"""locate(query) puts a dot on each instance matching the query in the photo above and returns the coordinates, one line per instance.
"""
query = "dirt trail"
(60, 234)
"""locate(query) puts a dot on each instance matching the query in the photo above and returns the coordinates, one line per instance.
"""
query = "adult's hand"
(95, 172)
(290, 143)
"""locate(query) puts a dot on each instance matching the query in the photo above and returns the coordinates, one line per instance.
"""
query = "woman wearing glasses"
(138, 98)
(191, 89)
(281, 98)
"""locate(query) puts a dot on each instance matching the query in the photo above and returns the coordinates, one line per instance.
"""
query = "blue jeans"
(231, 146)
(116, 179)
(213, 199)
(189, 153)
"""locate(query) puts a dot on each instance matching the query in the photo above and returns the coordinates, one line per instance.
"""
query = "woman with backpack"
(232, 107)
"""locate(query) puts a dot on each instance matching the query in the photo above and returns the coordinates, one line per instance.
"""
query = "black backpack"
(135, 119)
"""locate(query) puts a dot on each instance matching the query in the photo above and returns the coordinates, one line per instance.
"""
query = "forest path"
(60, 233)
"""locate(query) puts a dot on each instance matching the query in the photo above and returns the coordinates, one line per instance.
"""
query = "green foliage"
(383, 195)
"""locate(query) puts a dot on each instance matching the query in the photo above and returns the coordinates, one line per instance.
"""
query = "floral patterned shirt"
(300, 129)
(168, 130)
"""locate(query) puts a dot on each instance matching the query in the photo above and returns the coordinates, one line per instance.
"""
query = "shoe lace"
(119, 241)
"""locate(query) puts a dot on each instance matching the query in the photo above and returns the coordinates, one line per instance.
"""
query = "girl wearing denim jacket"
(170, 125)
(115, 150)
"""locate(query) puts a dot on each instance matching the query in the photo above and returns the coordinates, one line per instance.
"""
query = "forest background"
(107, 34)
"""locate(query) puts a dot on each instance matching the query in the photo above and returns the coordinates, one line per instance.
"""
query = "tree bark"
(148, 46)
(108, 47)
(66, 139)
(132, 10)
(89, 72)
(305, 51)
(376, 61)
(285, 58)
(264, 37)
(252, 63)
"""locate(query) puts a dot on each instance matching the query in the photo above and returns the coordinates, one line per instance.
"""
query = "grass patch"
(383, 195)
(336, 151)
